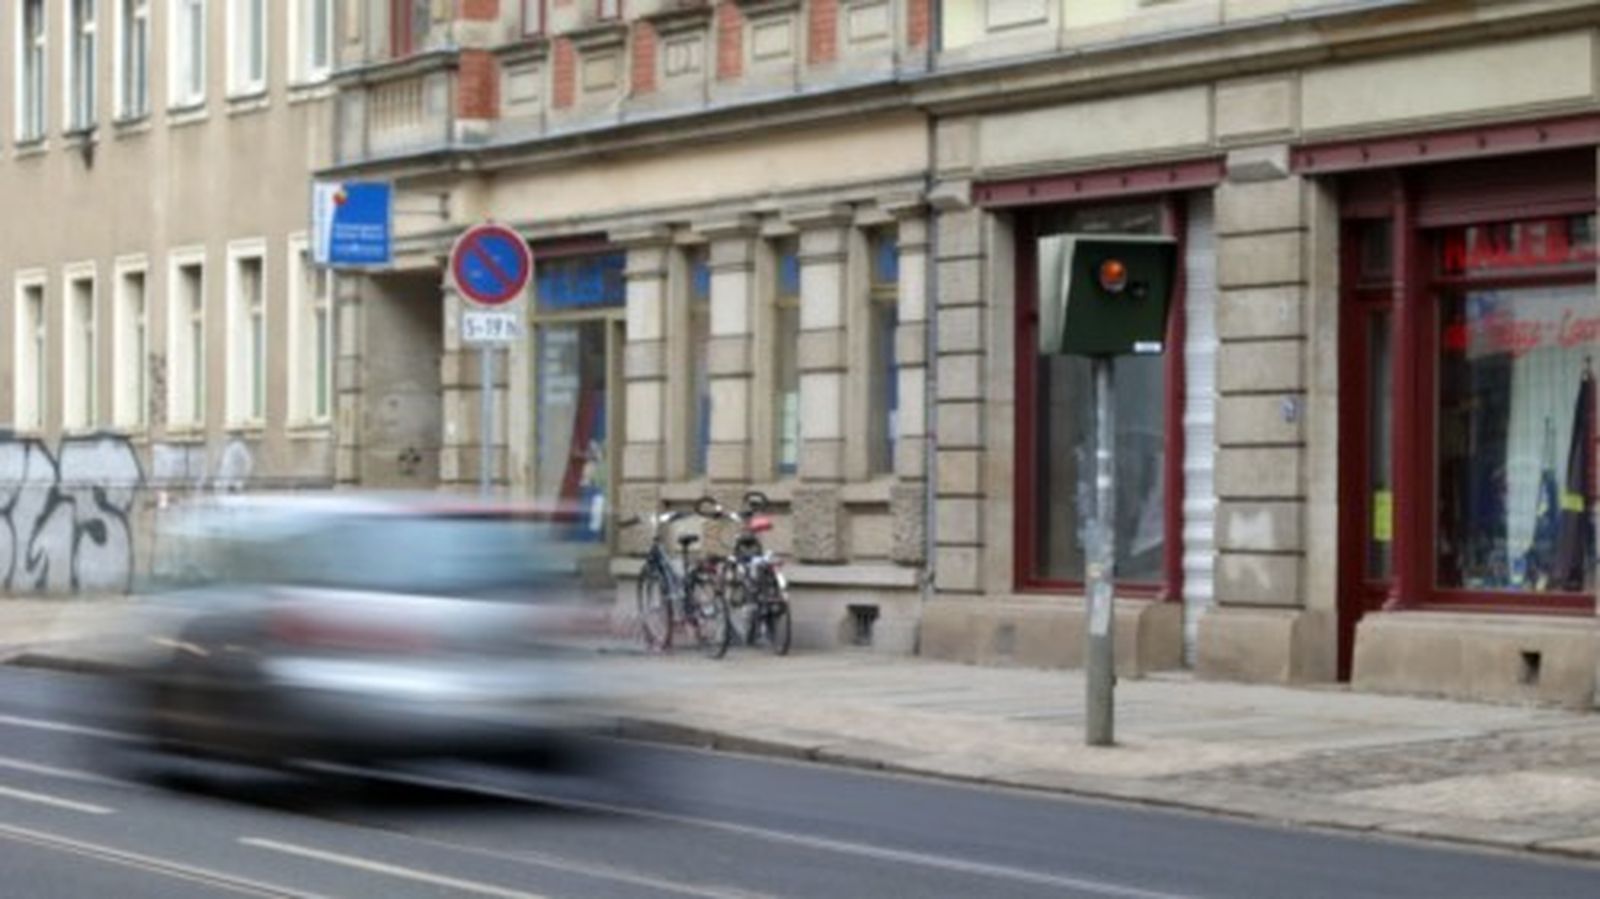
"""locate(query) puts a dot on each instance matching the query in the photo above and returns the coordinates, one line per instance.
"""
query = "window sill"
(188, 114)
(247, 103)
(878, 491)
(247, 428)
(128, 126)
(79, 136)
(33, 146)
(188, 432)
(310, 428)
(311, 90)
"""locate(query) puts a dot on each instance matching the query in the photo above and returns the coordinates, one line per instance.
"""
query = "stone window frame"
(80, 348)
(130, 398)
(187, 351)
(31, 351)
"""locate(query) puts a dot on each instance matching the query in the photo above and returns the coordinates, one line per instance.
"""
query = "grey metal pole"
(1099, 658)
(485, 417)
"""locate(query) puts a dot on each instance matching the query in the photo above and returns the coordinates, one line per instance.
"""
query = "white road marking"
(66, 728)
(825, 844)
(881, 853)
(151, 864)
(377, 867)
(17, 764)
(55, 801)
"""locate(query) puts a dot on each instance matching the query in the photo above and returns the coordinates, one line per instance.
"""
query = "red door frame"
(1025, 507)
(1415, 357)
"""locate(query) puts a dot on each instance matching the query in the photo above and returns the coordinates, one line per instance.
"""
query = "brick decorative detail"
(643, 68)
(480, 10)
(919, 22)
(730, 41)
(564, 73)
(823, 32)
(478, 85)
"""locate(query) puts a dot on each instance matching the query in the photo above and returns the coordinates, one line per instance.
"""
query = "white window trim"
(137, 418)
(23, 336)
(73, 275)
(302, 371)
(301, 70)
(177, 94)
(178, 417)
(69, 66)
(240, 83)
(237, 380)
(23, 133)
(124, 110)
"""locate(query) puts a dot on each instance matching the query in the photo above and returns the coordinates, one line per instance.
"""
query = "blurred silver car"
(355, 628)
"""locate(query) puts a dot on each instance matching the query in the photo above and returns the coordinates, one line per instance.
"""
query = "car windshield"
(428, 554)
(424, 555)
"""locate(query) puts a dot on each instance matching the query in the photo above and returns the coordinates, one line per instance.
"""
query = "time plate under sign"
(481, 327)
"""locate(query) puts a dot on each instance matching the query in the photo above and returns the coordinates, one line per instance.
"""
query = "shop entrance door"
(1366, 484)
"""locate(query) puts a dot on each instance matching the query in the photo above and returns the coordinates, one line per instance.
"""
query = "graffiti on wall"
(66, 517)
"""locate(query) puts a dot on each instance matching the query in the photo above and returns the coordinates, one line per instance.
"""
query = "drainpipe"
(930, 306)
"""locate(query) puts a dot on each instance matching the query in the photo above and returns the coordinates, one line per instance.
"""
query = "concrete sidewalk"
(1502, 776)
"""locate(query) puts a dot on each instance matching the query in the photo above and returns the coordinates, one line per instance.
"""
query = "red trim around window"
(1444, 146)
(1115, 183)
(1418, 201)
(1025, 507)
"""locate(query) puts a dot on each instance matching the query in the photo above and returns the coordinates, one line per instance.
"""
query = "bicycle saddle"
(688, 540)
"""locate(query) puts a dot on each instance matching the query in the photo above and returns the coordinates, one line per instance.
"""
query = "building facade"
(165, 331)
(800, 246)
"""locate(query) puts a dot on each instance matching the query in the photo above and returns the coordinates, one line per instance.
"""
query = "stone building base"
(1048, 632)
(1496, 658)
(1272, 646)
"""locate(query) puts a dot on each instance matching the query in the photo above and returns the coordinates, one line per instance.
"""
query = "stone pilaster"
(909, 496)
(461, 385)
(960, 392)
(730, 359)
(824, 357)
(645, 369)
(348, 387)
(1266, 240)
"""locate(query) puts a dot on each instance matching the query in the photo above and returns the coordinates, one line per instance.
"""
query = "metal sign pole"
(485, 416)
(1099, 648)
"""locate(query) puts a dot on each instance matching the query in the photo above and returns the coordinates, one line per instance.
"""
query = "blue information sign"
(491, 264)
(352, 223)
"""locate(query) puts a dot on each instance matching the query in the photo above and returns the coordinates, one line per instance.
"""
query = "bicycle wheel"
(708, 616)
(655, 609)
(776, 627)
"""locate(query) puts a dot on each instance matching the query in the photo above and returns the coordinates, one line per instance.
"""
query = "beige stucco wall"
(236, 171)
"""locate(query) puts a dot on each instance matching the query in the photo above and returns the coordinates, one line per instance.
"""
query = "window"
(31, 50)
(786, 352)
(883, 317)
(1515, 405)
(247, 47)
(533, 16)
(133, 59)
(186, 341)
(1056, 426)
(80, 60)
(699, 291)
(31, 353)
(130, 347)
(247, 334)
(311, 347)
(187, 53)
(608, 9)
(80, 356)
(311, 33)
(408, 26)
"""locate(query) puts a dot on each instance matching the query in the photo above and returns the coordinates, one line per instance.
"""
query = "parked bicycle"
(680, 594)
(751, 577)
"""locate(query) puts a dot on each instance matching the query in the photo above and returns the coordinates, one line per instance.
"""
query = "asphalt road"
(667, 822)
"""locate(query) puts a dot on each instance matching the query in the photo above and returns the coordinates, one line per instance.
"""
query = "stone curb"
(1244, 803)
